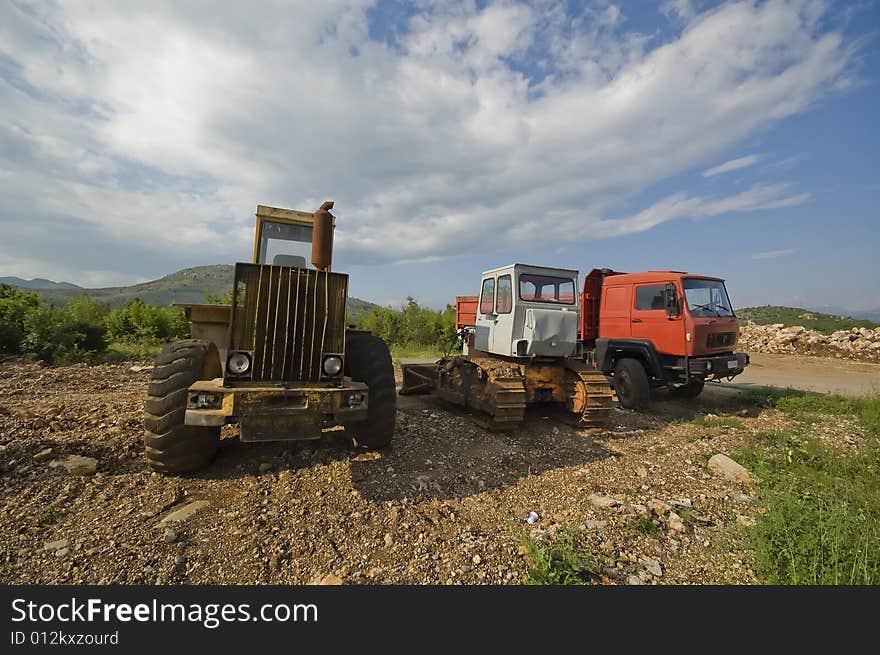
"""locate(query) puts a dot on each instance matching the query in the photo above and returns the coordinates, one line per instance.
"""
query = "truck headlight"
(332, 365)
(238, 363)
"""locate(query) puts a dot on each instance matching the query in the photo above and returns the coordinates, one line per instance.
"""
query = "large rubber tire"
(368, 360)
(631, 384)
(169, 444)
(691, 390)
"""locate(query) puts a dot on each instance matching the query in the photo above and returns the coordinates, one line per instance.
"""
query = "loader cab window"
(504, 298)
(285, 244)
(546, 288)
(487, 296)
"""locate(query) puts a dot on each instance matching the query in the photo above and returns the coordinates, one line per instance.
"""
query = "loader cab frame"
(283, 237)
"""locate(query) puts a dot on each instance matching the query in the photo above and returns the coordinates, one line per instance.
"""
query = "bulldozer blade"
(418, 378)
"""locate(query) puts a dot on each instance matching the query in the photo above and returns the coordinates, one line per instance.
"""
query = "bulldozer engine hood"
(549, 332)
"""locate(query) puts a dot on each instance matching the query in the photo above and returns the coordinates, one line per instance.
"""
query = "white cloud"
(732, 165)
(773, 254)
(681, 9)
(679, 205)
(165, 124)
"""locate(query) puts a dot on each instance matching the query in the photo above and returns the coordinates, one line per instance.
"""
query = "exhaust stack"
(322, 237)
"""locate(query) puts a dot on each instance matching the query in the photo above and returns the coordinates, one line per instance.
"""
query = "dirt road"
(820, 374)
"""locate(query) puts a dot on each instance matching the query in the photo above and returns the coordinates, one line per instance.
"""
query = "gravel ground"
(447, 503)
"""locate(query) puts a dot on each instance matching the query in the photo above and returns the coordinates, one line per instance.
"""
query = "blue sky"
(729, 138)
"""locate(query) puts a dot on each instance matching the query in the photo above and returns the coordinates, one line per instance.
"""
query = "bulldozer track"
(592, 397)
(496, 389)
(508, 398)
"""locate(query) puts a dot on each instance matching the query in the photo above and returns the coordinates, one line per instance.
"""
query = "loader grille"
(287, 318)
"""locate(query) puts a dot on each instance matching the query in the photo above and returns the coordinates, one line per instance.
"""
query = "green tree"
(15, 305)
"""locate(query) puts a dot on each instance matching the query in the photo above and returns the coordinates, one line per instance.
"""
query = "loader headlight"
(238, 363)
(332, 365)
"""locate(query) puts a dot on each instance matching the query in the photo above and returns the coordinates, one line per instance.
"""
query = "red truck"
(652, 329)
(659, 329)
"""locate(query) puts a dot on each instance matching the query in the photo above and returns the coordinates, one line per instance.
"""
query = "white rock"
(725, 467)
(76, 464)
(55, 545)
(653, 567)
(185, 512)
(675, 523)
(602, 502)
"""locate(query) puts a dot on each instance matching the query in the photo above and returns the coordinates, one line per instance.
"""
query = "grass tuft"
(822, 519)
(564, 560)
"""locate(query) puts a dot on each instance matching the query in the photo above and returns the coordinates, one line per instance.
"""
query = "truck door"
(501, 333)
(614, 314)
(650, 320)
(485, 315)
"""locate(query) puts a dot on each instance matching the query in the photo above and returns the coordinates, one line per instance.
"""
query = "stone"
(55, 545)
(477, 560)
(659, 507)
(642, 472)
(140, 369)
(185, 512)
(330, 580)
(170, 535)
(675, 523)
(653, 567)
(389, 540)
(745, 521)
(602, 502)
(595, 525)
(725, 467)
(43, 455)
(76, 464)
(62, 552)
(634, 580)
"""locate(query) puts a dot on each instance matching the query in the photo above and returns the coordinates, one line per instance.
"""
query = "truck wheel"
(368, 360)
(690, 390)
(169, 444)
(631, 384)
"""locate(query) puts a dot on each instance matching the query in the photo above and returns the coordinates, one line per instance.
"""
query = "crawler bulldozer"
(279, 360)
(520, 346)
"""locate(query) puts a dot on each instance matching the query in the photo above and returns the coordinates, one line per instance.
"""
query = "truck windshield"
(706, 297)
(546, 288)
(283, 244)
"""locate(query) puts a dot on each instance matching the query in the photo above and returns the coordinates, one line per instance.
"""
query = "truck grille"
(721, 339)
(287, 318)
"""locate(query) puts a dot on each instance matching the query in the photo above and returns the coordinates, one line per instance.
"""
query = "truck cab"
(527, 311)
(660, 328)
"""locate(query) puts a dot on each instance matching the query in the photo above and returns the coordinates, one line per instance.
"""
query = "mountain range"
(190, 285)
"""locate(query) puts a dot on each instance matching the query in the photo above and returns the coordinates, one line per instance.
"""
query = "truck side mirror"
(671, 301)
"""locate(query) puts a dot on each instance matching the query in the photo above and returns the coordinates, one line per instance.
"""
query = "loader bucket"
(418, 378)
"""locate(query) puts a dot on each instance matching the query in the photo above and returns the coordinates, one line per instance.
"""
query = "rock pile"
(855, 343)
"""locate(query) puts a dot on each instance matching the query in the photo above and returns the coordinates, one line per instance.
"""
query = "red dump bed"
(465, 311)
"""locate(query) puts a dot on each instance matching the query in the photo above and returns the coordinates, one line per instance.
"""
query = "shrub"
(15, 305)
(54, 336)
(411, 325)
(137, 321)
